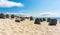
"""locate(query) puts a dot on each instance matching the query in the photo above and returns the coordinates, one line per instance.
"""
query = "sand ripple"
(10, 27)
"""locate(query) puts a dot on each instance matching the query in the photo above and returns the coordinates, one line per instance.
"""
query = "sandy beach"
(27, 27)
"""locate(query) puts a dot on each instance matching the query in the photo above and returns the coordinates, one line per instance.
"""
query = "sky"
(37, 8)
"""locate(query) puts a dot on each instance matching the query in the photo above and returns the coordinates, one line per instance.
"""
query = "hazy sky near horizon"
(31, 7)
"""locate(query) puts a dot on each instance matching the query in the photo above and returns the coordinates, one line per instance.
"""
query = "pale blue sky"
(32, 7)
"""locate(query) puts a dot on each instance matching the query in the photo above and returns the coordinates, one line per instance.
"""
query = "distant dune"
(27, 27)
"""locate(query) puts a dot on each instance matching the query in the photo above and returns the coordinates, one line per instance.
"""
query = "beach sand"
(27, 27)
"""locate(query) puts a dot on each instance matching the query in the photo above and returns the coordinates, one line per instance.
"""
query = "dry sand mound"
(10, 27)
